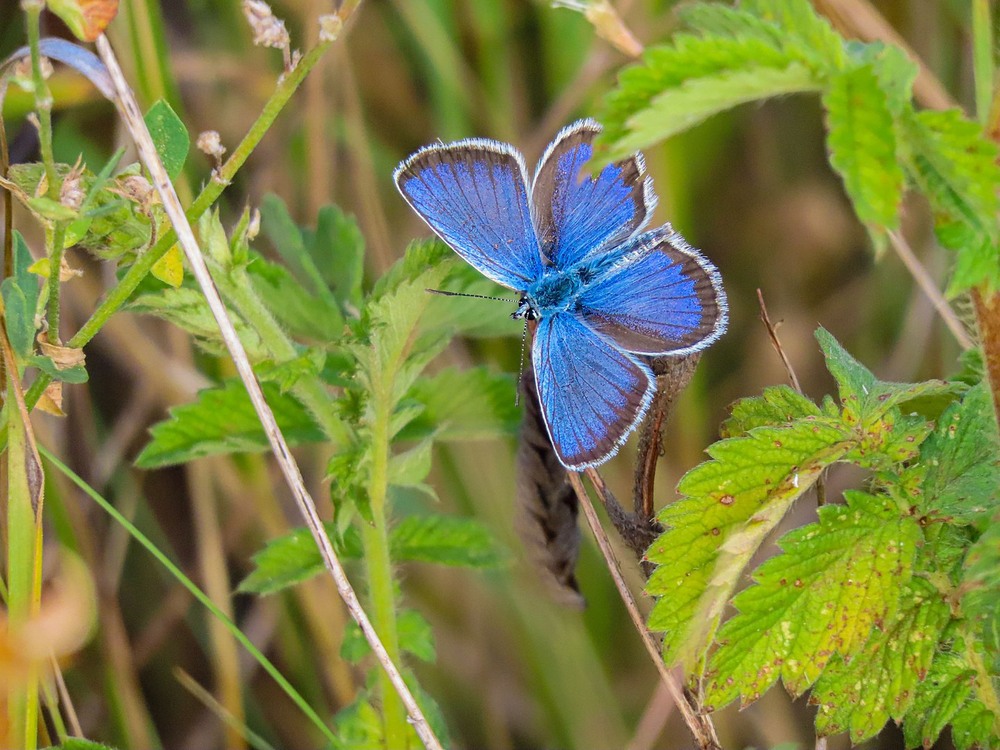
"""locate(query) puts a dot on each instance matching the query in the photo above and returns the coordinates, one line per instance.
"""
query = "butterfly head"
(525, 309)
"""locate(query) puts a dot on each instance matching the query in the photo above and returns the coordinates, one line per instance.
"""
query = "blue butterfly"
(605, 294)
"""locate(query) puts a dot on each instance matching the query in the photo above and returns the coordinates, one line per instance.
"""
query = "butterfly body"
(605, 294)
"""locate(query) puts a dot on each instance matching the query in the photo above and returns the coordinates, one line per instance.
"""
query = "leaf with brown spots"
(836, 581)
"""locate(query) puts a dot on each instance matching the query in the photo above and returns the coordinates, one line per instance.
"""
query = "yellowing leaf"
(170, 268)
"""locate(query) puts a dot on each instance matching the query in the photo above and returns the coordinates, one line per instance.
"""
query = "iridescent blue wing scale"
(661, 296)
(578, 216)
(474, 195)
(592, 394)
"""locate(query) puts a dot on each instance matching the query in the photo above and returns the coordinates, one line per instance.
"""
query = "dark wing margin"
(592, 394)
(661, 297)
(577, 215)
(474, 195)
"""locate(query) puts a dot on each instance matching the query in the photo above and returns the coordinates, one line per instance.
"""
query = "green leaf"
(895, 70)
(222, 420)
(51, 210)
(187, 309)
(862, 144)
(169, 136)
(293, 558)
(963, 473)
(944, 695)
(730, 504)
(463, 405)
(777, 404)
(980, 589)
(20, 299)
(881, 681)
(303, 315)
(414, 632)
(813, 36)
(290, 243)
(358, 726)
(411, 467)
(470, 316)
(667, 67)
(799, 614)
(77, 374)
(446, 540)
(338, 250)
(696, 99)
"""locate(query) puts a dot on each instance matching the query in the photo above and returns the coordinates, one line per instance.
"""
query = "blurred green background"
(751, 188)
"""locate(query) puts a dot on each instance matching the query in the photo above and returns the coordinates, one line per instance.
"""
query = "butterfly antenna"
(520, 367)
(443, 293)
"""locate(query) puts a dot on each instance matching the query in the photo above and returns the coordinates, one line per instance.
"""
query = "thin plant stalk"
(700, 726)
(196, 592)
(129, 110)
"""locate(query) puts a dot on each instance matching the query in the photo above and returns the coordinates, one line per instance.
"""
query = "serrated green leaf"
(895, 70)
(222, 420)
(939, 697)
(300, 313)
(696, 99)
(955, 165)
(472, 404)
(397, 350)
(862, 144)
(880, 682)
(980, 589)
(963, 473)
(975, 726)
(293, 558)
(337, 248)
(411, 467)
(730, 504)
(420, 256)
(797, 616)
(169, 136)
(854, 381)
(813, 36)
(717, 19)
(186, 308)
(290, 242)
(775, 405)
(20, 298)
(446, 540)
(414, 632)
(308, 364)
(667, 67)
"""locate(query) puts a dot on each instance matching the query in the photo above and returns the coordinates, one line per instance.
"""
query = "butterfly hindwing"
(592, 393)
(474, 195)
(660, 297)
(577, 215)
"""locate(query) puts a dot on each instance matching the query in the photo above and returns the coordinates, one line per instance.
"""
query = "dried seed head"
(71, 194)
(137, 189)
(210, 143)
(268, 31)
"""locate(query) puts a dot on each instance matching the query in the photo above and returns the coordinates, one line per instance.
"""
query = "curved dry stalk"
(131, 115)
(700, 726)
(926, 283)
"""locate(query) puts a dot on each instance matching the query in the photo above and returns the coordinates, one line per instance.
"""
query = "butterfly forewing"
(592, 393)
(662, 297)
(474, 195)
(577, 215)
